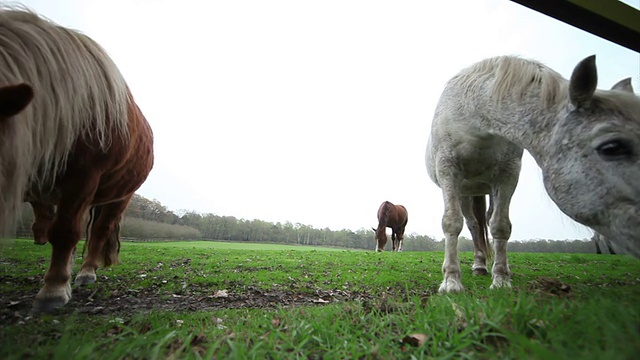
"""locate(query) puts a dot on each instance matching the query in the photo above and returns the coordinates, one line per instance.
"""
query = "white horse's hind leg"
(452, 226)
(479, 258)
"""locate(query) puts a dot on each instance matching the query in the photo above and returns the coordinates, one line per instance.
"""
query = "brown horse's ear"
(374, 229)
(14, 98)
(623, 85)
(584, 80)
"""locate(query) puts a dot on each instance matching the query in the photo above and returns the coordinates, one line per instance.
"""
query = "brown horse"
(395, 217)
(71, 136)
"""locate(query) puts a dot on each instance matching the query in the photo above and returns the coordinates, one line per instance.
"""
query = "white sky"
(317, 111)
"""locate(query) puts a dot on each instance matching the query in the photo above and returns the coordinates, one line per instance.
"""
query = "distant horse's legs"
(609, 246)
(452, 226)
(500, 226)
(64, 234)
(595, 241)
(43, 216)
(597, 237)
(104, 243)
(394, 240)
(479, 258)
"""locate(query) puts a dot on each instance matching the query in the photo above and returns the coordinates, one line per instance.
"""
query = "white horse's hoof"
(501, 283)
(450, 285)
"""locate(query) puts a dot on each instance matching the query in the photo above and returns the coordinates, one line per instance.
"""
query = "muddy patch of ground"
(549, 286)
(121, 301)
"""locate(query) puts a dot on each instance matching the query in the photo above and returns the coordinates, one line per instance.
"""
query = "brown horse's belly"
(126, 178)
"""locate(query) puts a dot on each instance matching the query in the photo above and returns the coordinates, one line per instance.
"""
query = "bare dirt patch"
(549, 286)
(105, 299)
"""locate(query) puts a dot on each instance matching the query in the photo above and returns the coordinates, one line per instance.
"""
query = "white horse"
(586, 141)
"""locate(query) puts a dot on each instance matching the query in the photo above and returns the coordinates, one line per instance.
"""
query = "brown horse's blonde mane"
(83, 94)
(513, 76)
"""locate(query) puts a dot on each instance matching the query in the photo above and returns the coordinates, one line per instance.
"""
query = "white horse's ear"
(584, 80)
(623, 85)
(14, 98)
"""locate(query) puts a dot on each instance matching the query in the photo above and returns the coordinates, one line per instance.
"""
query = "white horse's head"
(593, 169)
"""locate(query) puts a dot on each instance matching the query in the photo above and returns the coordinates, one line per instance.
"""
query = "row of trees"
(149, 219)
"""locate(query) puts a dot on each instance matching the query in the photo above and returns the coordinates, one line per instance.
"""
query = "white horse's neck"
(514, 98)
(529, 119)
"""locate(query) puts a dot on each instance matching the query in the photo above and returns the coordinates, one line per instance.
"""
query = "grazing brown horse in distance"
(395, 217)
(72, 139)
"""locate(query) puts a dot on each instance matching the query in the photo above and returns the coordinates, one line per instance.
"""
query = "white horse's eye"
(615, 150)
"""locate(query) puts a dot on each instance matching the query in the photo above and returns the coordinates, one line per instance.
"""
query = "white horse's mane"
(78, 90)
(513, 76)
(619, 102)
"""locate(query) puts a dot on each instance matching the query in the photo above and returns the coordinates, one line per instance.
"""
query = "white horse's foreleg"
(500, 227)
(452, 226)
(500, 272)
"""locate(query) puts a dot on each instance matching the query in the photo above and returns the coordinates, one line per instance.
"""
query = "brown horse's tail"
(111, 248)
(479, 208)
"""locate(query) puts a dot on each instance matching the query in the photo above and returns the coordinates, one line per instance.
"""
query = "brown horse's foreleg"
(43, 216)
(64, 234)
(399, 238)
(104, 240)
(381, 239)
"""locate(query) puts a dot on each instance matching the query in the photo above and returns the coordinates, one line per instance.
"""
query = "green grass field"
(218, 245)
(221, 300)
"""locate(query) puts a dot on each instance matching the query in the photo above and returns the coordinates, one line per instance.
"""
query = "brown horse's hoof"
(47, 306)
(85, 278)
(51, 298)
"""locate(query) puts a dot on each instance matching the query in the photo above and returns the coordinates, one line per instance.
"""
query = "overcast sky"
(317, 111)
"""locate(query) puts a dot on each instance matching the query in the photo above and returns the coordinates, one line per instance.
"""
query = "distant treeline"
(150, 220)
